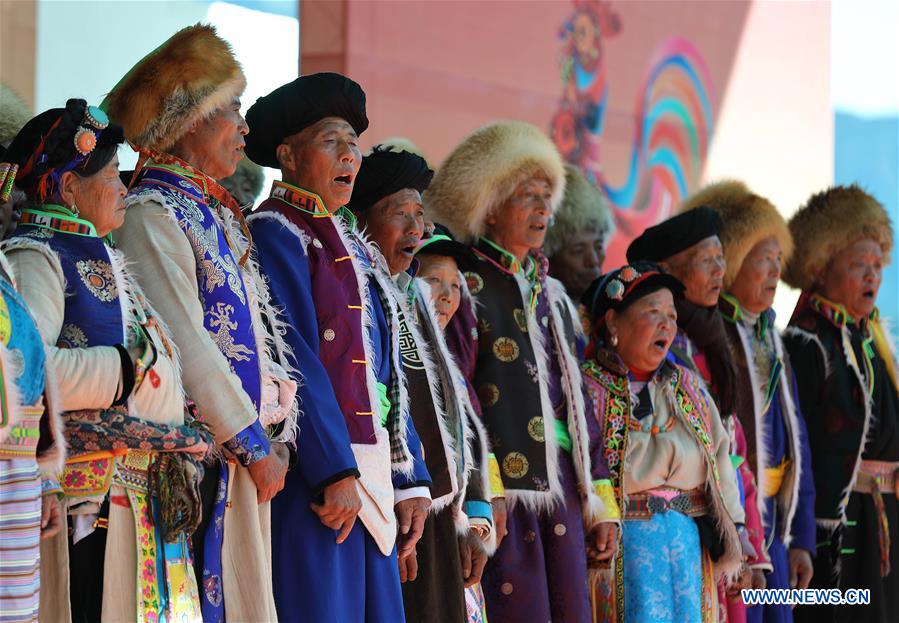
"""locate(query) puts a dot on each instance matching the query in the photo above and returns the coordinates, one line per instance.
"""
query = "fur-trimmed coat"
(848, 422)
(775, 429)
(515, 337)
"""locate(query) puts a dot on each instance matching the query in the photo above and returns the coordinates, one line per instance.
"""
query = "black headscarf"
(442, 242)
(622, 287)
(385, 172)
(705, 327)
(48, 146)
(297, 105)
(678, 233)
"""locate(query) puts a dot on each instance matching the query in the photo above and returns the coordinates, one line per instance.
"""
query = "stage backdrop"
(650, 99)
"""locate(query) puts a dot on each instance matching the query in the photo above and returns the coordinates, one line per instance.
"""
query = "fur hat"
(184, 80)
(829, 222)
(485, 169)
(14, 114)
(746, 220)
(246, 182)
(583, 207)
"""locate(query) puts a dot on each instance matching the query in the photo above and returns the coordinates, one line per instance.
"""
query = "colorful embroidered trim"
(303, 200)
(22, 439)
(51, 217)
(87, 479)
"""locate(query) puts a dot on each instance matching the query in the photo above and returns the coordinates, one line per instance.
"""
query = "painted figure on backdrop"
(673, 120)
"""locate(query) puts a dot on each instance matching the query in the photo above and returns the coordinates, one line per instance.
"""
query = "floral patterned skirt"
(663, 570)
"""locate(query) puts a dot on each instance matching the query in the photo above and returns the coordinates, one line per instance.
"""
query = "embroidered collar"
(303, 200)
(211, 188)
(506, 260)
(58, 218)
(532, 271)
(836, 314)
(730, 309)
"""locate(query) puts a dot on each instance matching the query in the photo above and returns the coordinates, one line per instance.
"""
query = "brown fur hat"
(746, 220)
(14, 114)
(484, 170)
(583, 207)
(184, 80)
(829, 222)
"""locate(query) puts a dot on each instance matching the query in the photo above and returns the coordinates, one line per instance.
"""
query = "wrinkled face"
(519, 225)
(756, 283)
(396, 223)
(99, 198)
(325, 159)
(579, 262)
(853, 277)
(219, 141)
(645, 330)
(442, 274)
(701, 269)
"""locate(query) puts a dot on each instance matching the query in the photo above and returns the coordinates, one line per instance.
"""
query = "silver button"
(507, 588)
(316, 243)
(560, 529)
(329, 335)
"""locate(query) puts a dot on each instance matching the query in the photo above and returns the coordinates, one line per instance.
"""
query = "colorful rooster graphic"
(673, 120)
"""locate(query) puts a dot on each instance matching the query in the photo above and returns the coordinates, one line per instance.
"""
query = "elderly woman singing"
(667, 453)
(130, 483)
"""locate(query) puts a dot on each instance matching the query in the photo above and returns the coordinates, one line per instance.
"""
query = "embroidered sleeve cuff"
(49, 486)
(606, 492)
(497, 490)
(249, 445)
(400, 495)
(478, 509)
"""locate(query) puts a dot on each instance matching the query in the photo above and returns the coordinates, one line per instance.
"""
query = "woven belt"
(21, 442)
(644, 505)
(877, 476)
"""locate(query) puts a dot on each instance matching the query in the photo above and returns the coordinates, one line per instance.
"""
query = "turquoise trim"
(479, 508)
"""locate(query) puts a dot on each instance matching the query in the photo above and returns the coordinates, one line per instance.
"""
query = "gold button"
(560, 529)
(316, 243)
(329, 335)
(507, 588)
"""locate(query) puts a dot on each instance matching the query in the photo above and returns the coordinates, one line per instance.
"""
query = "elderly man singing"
(358, 451)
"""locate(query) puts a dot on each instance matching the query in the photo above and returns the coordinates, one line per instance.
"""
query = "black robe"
(834, 403)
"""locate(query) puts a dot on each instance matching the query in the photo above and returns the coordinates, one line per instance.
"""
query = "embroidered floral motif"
(536, 429)
(515, 465)
(222, 323)
(98, 277)
(71, 336)
(148, 604)
(695, 418)
(474, 281)
(488, 394)
(505, 349)
(87, 478)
